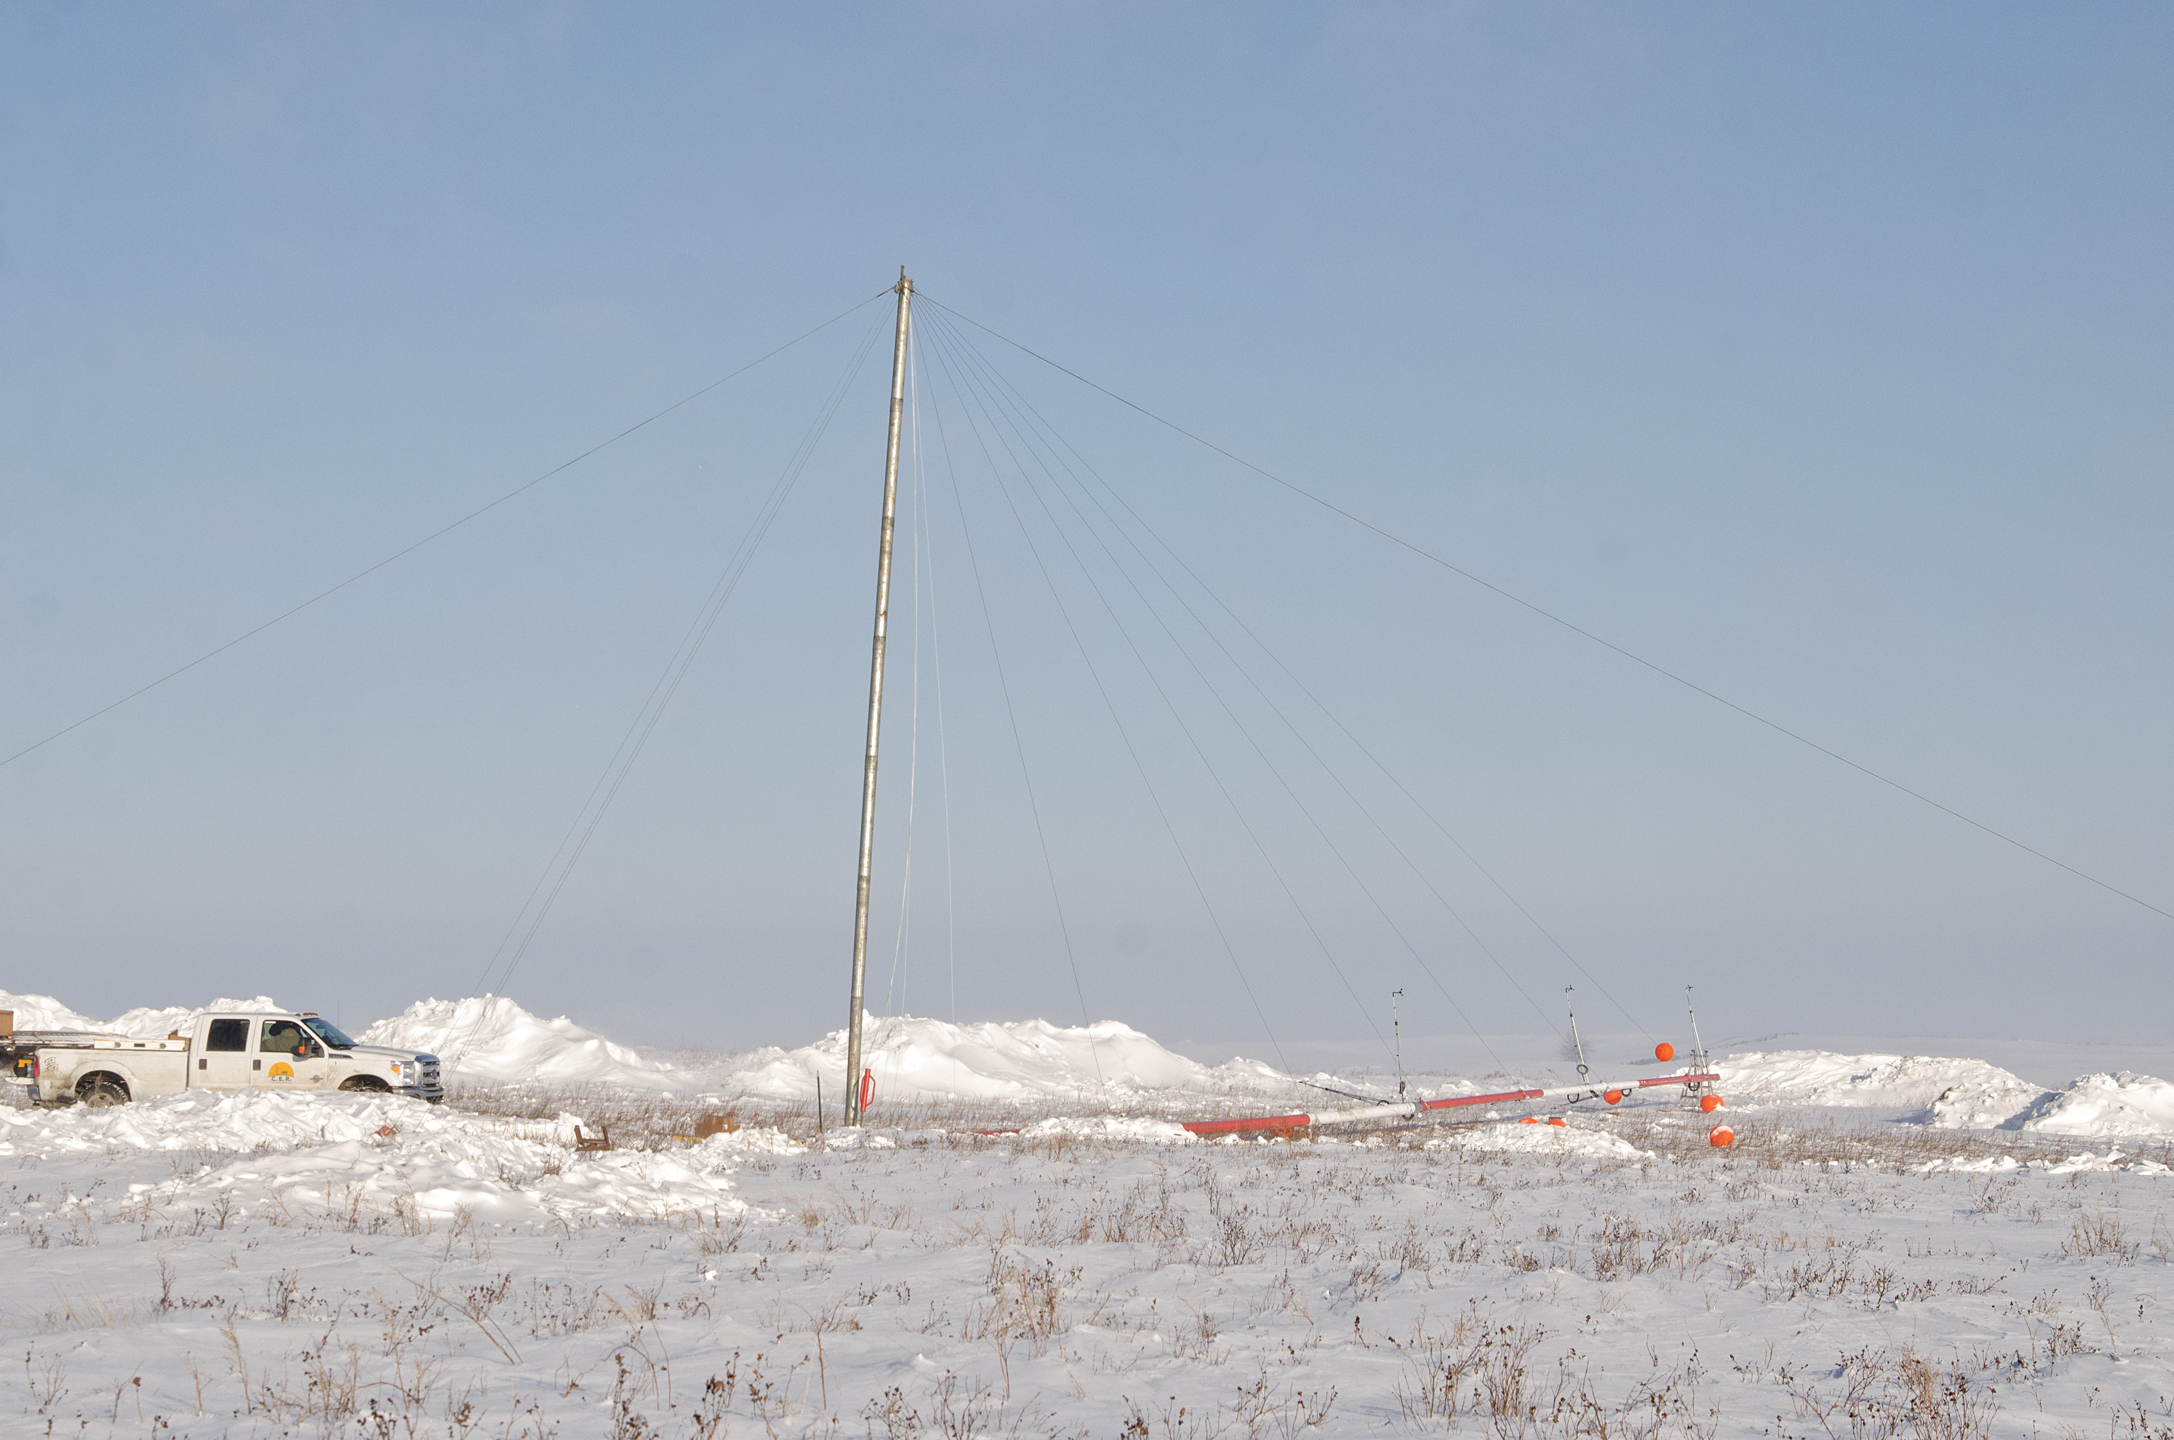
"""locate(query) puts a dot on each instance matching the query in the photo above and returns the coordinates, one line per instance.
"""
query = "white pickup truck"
(228, 1052)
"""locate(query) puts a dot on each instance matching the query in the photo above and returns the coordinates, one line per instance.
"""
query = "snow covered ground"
(1889, 1250)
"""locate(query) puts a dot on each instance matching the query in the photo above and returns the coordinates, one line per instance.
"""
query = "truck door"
(289, 1058)
(222, 1055)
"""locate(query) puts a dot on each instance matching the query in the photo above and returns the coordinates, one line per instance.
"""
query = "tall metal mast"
(875, 707)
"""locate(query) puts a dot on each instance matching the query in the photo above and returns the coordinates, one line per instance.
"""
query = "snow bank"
(1949, 1091)
(2085, 1164)
(43, 1012)
(1982, 1104)
(2102, 1105)
(1511, 1138)
(492, 1039)
(921, 1059)
(202, 1120)
(341, 1156)
(1112, 1127)
(1955, 1093)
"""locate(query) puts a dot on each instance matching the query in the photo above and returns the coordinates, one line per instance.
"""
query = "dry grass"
(1767, 1139)
(1486, 1371)
(1772, 1142)
(2100, 1234)
(658, 1122)
(1886, 1394)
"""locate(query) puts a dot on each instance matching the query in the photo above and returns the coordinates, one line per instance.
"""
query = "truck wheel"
(102, 1090)
(369, 1084)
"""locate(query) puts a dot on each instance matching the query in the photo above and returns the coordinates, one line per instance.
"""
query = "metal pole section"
(1398, 1026)
(875, 709)
(1574, 1040)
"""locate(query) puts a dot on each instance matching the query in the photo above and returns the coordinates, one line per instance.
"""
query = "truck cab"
(416, 1071)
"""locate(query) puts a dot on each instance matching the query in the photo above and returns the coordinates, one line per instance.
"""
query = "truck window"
(281, 1035)
(328, 1032)
(228, 1035)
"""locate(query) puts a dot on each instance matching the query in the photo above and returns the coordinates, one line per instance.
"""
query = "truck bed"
(146, 1067)
(16, 1049)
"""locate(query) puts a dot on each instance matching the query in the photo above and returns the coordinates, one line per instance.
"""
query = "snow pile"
(2123, 1104)
(1512, 1138)
(921, 1059)
(1968, 1089)
(43, 1012)
(760, 1140)
(857, 1137)
(2084, 1164)
(1981, 1104)
(1111, 1127)
(212, 1121)
(346, 1157)
(490, 1038)
(1955, 1093)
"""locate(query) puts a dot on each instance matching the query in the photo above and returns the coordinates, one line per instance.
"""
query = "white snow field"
(1862, 1263)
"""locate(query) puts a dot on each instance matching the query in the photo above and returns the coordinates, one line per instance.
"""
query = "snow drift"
(1981, 1103)
(1948, 1091)
(1955, 1093)
(1112, 1127)
(1514, 1139)
(348, 1155)
(922, 1059)
(43, 1012)
(2123, 1104)
(490, 1038)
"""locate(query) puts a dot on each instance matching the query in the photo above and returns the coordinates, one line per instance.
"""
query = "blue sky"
(1817, 355)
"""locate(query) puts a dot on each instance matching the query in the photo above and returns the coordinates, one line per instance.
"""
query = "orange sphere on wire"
(1721, 1135)
(1710, 1104)
(1613, 1097)
(1530, 1120)
(1664, 1051)
(1557, 1120)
